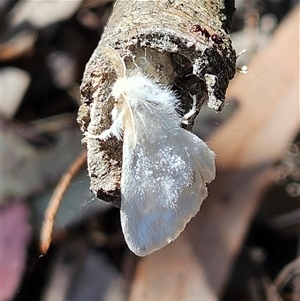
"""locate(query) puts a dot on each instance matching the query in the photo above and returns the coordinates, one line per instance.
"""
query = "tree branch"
(158, 38)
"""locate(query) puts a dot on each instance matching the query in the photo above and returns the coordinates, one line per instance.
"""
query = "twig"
(287, 273)
(271, 292)
(254, 289)
(296, 281)
(273, 289)
(286, 219)
(55, 200)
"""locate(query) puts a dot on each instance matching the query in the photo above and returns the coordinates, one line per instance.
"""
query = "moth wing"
(162, 186)
(205, 160)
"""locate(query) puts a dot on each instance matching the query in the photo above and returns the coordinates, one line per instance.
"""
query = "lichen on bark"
(156, 37)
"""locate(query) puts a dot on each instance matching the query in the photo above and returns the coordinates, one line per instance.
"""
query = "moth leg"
(103, 136)
(106, 134)
(191, 112)
(116, 129)
(242, 69)
(240, 53)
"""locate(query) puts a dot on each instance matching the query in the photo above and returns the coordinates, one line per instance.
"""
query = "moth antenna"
(117, 55)
(132, 120)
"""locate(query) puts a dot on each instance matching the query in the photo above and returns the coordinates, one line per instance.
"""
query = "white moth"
(164, 167)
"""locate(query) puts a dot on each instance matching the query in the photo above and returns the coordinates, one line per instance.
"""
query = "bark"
(157, 37)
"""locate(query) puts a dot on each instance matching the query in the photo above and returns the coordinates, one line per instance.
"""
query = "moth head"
(129, 89)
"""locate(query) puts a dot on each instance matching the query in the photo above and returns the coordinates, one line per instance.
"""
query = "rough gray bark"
(163, 39)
